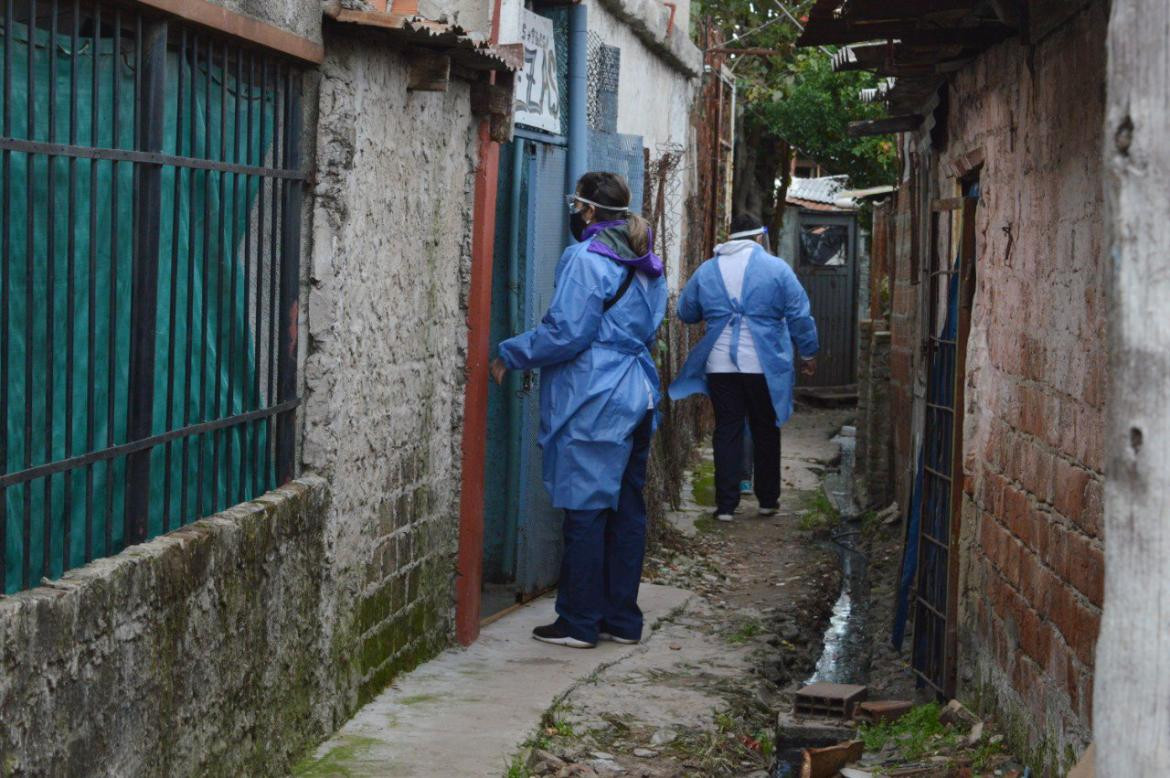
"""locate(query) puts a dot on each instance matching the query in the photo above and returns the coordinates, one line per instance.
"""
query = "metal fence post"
(290, 244)
(144, 301)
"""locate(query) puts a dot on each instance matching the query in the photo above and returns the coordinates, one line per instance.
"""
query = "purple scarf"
(649, 263)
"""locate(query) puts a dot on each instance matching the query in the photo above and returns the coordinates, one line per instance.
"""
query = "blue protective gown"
(597, 375)
(776, 311)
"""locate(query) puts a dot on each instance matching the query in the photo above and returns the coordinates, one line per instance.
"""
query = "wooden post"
(1131, 710)
(469, 562)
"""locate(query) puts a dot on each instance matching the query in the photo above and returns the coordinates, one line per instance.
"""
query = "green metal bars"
(150, 204)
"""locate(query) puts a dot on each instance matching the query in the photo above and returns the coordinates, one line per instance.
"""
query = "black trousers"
(734, 397)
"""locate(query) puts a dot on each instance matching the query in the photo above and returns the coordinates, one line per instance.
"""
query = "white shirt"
(732, 258)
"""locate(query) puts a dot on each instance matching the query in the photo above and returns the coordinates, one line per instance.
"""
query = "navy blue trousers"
(602, 562)
(734, 397)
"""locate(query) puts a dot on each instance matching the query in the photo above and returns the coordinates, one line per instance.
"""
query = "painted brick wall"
(1033, 447)
(384, 371)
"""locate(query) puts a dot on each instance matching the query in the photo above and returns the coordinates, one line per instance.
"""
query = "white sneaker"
(616, 639)
(724, 517)
(769, 511)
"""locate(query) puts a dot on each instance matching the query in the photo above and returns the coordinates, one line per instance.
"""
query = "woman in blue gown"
(755, 310)
(598, 391)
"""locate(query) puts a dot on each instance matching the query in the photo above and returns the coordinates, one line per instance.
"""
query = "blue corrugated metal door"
(499, 563)
(522, 538)
(538, 523)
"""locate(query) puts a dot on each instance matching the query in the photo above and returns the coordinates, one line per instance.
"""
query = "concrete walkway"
(466, 712)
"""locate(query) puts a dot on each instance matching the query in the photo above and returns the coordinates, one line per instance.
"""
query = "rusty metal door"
(827, 268)
(949, 293)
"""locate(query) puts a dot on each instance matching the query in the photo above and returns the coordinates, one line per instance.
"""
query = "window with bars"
(150, 208)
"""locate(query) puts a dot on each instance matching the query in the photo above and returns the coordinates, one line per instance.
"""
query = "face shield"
(748, 234)
(575, 201)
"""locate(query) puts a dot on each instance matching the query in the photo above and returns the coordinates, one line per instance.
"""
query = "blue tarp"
(937, 378)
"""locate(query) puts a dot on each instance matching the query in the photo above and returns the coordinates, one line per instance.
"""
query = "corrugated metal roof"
(408, 30)
(878, 93)
(918, 42)
(873, 191)
(826, 189)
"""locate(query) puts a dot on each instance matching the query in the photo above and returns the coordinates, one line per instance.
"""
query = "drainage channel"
(844, 657)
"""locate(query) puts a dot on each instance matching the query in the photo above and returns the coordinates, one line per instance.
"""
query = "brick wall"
(872, 483)
(1032, 545)
(905, 343)
(1033, 448)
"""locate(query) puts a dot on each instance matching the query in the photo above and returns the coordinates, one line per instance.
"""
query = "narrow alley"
(537, 388)
(740, 616)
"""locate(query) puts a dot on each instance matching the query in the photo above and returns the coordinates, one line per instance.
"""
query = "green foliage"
(767, 741)
(553, 724)
(517, 769)
(794, 96)
(984, 754)
(811, 108)
(747, 630)
(562, 728)
(703, 483)
(916, 734)
(819, 512)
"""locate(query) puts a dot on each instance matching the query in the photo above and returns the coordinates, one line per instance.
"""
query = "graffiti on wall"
(537, 99)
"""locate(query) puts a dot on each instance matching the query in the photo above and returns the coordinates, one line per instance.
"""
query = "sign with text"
(537, 100)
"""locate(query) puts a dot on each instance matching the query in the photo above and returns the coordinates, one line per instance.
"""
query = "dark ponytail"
(610, 189)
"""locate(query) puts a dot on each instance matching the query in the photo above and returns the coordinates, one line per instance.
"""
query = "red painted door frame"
(469, 573)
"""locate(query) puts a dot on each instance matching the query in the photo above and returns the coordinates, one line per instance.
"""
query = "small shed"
(820, 241)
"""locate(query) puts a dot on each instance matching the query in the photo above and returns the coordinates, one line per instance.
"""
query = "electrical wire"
(752, 31)
(796, 22)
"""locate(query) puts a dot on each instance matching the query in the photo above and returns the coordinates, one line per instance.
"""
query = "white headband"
(581, 199)
(748, 233)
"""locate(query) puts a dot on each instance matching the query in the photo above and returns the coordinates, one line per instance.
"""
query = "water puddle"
(845, 655)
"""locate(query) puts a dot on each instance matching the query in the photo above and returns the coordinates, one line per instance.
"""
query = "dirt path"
(709, 691)
(699, 696)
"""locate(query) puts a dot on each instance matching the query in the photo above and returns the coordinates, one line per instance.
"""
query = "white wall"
(654, 101)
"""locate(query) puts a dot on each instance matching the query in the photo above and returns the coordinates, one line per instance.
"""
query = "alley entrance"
(738, 615)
